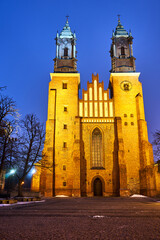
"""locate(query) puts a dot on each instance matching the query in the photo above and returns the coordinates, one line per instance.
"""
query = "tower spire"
(121, 50)
(65, 60)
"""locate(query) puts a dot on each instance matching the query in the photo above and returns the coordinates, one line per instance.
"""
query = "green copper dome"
(66, 32)
(120, 31)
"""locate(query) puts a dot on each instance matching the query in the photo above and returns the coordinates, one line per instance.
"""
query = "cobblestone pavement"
(82, 218)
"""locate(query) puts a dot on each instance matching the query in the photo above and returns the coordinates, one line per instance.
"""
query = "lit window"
(64, 85)
(97, 160)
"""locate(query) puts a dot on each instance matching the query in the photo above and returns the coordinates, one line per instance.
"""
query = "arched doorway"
(97, 187)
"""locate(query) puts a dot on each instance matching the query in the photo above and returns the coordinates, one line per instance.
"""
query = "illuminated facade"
(97, 145)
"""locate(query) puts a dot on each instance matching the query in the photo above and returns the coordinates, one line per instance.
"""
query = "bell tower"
(133, 151)
(65, 60)
(62, 140)
(121, 50)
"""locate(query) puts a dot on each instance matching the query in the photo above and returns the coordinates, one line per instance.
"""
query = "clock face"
(126, 85)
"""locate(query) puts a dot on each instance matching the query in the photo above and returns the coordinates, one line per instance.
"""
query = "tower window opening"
(65, 126)
(64, 145)
(64, 86)
(97, 160)
(64, 167)
(65, 109)
(122, 51)
(64, 184)
(66, 52)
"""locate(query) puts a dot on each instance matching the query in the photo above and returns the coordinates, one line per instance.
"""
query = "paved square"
(82, 218)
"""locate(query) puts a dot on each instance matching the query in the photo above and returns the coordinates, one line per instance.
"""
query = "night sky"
(27, 47)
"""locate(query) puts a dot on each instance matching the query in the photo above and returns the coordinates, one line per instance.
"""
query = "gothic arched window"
(65, 51)
(97, 160)
(122, 51)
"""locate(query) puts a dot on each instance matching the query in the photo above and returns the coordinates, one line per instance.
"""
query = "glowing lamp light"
(12, 171)
(33, 171)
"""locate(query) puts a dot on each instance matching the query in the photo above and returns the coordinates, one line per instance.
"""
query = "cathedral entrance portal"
(97, 187)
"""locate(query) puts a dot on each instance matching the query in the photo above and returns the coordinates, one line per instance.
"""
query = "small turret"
(121, 50)
(65, 60)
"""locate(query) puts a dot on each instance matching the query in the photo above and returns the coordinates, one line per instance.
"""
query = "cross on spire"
(67, 17)
(118, 18)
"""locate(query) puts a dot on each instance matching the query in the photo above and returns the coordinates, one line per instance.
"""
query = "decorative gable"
(95, 102)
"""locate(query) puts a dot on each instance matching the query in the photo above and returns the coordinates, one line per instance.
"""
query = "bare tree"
(8, 120)
(30, 144)
(7, 108)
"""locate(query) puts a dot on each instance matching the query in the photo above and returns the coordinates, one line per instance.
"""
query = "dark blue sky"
(27, 47)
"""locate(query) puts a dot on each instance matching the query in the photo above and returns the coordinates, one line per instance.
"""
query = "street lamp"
(33, 171)
(12, 171)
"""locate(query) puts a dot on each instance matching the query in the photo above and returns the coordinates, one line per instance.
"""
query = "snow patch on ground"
(98, 216)
(138, 196)
(123, 226)
(61, 196)
(20, 203)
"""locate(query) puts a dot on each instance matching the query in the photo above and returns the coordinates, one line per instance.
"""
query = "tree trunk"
(2, 164)
(20, 188)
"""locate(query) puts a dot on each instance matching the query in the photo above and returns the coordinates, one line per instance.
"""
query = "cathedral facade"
(97, 145)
